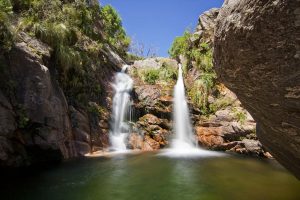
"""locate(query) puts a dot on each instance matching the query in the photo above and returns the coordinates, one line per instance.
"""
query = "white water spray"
(183, 128)
(121, 110)
(184, 144)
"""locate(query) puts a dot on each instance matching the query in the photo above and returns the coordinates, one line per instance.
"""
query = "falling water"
(121, 110)
(184, 143)
(183, 128)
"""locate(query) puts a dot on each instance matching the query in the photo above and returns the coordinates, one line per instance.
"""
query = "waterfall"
(121, 110)
(184, 144)
(183, 128)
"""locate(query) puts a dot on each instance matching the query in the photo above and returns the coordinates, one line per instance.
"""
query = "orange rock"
(135, 141)
(150, 144)
(210, 136)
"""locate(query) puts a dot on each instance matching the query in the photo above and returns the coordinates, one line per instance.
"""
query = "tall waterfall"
(121, 110)
(183, 128)
(184, 144)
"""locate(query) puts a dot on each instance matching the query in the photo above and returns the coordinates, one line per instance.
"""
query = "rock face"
(230, 128)
(257, 55)
(36, 123)
(38, 100)
(206, 25)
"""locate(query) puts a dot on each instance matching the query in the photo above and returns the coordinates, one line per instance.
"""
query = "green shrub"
(22, 117)
(200, 55)
(220, 104)
(239, 115)
(150, 76)
(77, 33)
(198, 95)
(114, 32)
(95, 109)
(132, 57)
(180, 45)
(6, 35)
(167, 73)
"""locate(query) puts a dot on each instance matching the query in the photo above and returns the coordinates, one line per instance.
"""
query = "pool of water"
(149, 176)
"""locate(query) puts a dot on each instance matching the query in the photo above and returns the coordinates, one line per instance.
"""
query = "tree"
(180, 45)
(113, 30)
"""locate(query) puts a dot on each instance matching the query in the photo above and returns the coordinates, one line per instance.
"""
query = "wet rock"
(135, 141)
(7, 117)
(150, 126)
(82, 148)
(253, 146)
(38, 102)
(150, 144)
(80, 126)
(210, 137)
(12, 153)
(150, 119)
(256, 51)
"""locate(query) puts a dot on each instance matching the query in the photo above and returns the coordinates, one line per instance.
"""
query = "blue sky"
(156, 23)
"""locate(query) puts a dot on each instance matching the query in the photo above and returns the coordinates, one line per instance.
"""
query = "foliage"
(150, 76)
(6, 36)
(220, 104)
(180, 45)
(76, 31)
(198, 95)
(205, 84)
(239, 115)
(167, 73)
(23, 119)
(200, 56)
(114, 32)
(133, 57)
(95, 109)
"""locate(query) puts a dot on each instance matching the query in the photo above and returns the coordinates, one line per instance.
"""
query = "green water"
(150, 177)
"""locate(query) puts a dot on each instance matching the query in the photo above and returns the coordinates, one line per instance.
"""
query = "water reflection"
(149, 177)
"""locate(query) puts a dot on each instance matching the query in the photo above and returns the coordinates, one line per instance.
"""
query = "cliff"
(55, 72)
(256, 54)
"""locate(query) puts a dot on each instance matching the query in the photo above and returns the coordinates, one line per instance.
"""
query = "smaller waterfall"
(121, 110)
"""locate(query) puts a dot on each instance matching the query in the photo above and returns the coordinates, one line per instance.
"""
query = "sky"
(155, 23)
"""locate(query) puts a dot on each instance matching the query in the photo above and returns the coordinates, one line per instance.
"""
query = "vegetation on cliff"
(78, 32)
(5, 28)
(198, 56)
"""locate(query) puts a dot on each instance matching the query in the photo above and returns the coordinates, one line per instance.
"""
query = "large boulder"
(257, 55)
(34, 121)
(153, 133)
(206, 25)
